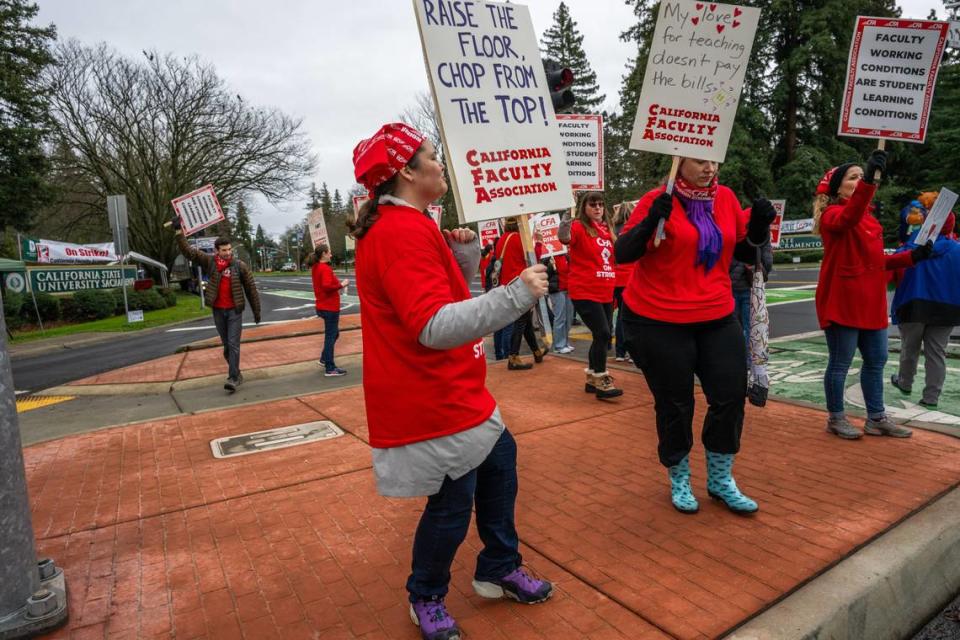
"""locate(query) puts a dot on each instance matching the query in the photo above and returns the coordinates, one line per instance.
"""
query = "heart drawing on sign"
(695, 21)
(720, 28)
(736, 23)
(713, 7)
(699, 6)
(736, 12)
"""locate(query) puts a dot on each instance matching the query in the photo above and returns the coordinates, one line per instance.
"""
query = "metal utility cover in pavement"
(270, 439)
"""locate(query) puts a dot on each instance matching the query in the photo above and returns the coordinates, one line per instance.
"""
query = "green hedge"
(12, 306)
(147, 300)
(94, 304)
(47, 304)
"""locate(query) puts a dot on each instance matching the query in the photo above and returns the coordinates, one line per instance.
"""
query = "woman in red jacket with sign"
(678, 321)
(591, 282)
(434, 427)
(852, 292)
(326, 291)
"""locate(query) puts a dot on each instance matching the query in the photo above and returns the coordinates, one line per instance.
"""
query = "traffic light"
(560, 81)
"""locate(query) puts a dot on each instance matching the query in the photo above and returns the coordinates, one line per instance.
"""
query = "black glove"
(761, 216)
(632, 245)
(175, 223)
(661, 208)
(877, 162)
(923, 252)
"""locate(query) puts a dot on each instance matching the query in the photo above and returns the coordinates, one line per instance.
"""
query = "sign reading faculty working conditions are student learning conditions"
(582, 136)
(198, 210)
(695, 73)
(499, 130)
(891, 74)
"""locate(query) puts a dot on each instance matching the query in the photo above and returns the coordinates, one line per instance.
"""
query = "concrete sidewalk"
(160, 539)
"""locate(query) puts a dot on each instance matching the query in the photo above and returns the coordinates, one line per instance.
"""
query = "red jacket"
(484, 263)
(405, 274)
(326, 287)
(563, 271)
(511, 248)
(667, 285)
(852, 289)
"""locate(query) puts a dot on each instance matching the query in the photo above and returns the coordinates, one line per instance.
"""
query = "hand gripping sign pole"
(32, 594)
(529, 250)
(691, 87)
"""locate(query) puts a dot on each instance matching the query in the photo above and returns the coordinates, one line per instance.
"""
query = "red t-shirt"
(563, 271)
(225, 291)
(484, 263)
(511, 248)
(852, 287)
(667, 284)
(592, 273)
(405, 274)
(326, 287)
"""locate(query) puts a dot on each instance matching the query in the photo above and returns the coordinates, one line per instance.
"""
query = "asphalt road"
(290, 298)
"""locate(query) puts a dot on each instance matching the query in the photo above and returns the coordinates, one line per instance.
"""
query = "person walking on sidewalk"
(678, 321)
(326, 291)
(851, 295)
(926, 307)
(229, 279)
(592, 280)
(510, 252)
(624, 271)
(434, 427)
(558, 275)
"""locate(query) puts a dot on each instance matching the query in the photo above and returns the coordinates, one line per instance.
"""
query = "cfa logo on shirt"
(478, 351)
(225, 273)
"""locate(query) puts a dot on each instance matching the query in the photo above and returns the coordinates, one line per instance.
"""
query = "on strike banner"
(776, 228)
(53, 252)
(582, 137)
(694, 76)
(489, 232)
(548, 224)
(435, 210)
(891, 74)
(499, 130)
(318, 228)
(198, 210)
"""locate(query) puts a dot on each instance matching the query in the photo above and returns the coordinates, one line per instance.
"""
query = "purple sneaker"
(434, 621)
(519, 585)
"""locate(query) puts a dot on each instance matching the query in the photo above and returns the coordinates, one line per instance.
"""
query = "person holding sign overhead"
(852, 291)
(678, 321)
(434, 428)
(591, 282)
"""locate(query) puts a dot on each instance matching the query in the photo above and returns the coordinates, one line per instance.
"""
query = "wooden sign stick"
(528, 249)
(671, 179)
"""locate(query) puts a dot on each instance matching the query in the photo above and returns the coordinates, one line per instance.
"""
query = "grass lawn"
(188, 308)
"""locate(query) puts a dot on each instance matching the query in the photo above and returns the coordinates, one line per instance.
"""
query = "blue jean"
(562, 314)
(331, 331)
(492, 489)
(842, 342)
(741, 309)
(501, 342)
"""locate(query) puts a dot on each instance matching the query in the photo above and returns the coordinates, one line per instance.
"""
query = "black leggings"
(598, 316)
(523, 328)
(669, 355)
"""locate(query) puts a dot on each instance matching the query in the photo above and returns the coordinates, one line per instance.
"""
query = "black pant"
(523, 329)
(598, 316)
(229, 325)
(669, 355)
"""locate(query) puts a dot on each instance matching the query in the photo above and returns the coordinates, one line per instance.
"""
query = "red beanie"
(379, 158)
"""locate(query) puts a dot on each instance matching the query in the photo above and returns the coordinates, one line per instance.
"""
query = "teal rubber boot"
(721, 485)
(681, 494)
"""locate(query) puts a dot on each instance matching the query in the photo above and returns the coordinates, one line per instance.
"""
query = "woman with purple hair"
(678, 320)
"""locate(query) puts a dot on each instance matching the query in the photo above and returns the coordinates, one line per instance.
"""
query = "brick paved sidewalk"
(159, 539)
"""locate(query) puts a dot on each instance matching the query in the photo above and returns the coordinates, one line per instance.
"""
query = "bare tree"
(158, 128)
(422, 115)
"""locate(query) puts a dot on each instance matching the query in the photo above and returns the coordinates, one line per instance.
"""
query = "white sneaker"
(567, 349)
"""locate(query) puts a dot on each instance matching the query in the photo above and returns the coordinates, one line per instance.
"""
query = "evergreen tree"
(338, 206)
(563, 43)
(241, 228)
(24, 113)
(314, 197)
(325, 200)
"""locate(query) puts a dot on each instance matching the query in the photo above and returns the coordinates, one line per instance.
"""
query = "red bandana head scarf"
(379, 158)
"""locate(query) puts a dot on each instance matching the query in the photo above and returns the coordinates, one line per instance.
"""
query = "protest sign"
(436, 212)
(54, 252)
(198, 210)
(937, 216)
(489, 232)
(500, 135)
(788, 227)
(953, 37)
(775, 226)
(548, 225)
(695, 73)
(318, 228)
(582, 136)
(891, 74)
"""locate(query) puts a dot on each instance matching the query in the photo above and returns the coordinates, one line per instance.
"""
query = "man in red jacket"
(326, 290)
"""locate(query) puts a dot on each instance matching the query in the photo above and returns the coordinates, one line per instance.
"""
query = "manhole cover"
(278, 438)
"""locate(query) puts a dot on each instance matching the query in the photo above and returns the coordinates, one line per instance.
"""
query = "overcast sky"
(344, 67)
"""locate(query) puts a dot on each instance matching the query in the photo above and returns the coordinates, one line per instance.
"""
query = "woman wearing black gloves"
(679, 322)
(852, 292)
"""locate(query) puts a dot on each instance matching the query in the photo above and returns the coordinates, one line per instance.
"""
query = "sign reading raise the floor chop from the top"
(890, 78)
(694, 76)
(500, 134)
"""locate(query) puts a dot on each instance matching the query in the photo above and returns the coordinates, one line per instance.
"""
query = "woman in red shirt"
(852, 292)
(678, 321)
(434, 428)
(509, 250)
(591, 282)
(326, 291)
